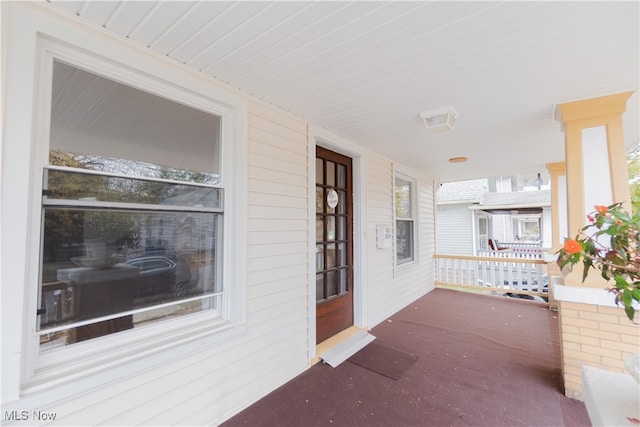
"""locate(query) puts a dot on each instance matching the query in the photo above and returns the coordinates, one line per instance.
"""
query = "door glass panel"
(342, 280)
(331, 174)
(331, 284)
(319, 287)
(319, 257)
(342, 254)
(342, 176)
(341, 228)
(342, 202)
(319, 228)
(331, 228)
(319, 199)
(331, 255)
(319, 172)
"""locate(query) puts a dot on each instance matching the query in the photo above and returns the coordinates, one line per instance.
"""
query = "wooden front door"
(334, 244)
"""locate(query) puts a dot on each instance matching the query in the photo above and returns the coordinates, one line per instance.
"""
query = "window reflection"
(63, 184)
(102, 262)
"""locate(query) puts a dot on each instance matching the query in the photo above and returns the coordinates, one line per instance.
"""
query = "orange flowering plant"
(610, 243)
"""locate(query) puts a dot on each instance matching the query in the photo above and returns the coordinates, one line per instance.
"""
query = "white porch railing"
(524, 247)
(497, 274)
(516, 250)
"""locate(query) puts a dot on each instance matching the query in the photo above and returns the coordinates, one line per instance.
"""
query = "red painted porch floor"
(447, 359)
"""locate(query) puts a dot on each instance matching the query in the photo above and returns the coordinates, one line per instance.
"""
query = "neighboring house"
(457, 226)
(519, 216)
(471, 212)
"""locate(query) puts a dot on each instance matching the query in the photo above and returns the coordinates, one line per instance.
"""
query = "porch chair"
(495, 245)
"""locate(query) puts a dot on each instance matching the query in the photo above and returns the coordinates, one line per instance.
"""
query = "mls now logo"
(16, 415)
(27, 415)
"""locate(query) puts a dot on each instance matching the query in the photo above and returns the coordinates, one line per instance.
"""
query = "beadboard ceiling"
(365, 70)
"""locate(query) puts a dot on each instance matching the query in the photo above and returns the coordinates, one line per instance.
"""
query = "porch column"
(595, 332)
(596, 163)
(558, 184)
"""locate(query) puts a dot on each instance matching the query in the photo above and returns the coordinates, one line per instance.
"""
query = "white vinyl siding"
(455, 230)
(199, 382)
(275, 346)
(389, 291)
(277, 222)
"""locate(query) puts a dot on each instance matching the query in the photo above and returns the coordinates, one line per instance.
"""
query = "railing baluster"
(464, 265)
(503, 273)
(456, 264)
(495, 278)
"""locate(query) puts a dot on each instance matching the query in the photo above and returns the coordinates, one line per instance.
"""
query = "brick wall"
(594, 335)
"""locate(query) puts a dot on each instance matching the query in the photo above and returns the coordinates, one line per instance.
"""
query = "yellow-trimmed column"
(594, 331)
(559, 230)
(558, 184)
(596, 168)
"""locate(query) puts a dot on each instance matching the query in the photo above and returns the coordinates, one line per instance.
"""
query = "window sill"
(120, 355)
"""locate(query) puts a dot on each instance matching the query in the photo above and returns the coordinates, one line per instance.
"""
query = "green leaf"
(574, 258)
(630, 311)
(587, 263)
(621, 283)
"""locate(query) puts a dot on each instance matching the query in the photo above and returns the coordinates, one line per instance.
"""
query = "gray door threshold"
(346, 349)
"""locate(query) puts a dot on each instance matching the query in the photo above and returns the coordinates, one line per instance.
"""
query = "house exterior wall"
(392, 287)
(198, 381)
(454, 235)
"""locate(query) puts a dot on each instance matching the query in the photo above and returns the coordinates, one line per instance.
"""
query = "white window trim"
(402, 173)
(166, 339)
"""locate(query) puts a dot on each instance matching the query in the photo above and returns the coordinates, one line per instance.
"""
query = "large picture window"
(405, 220)
(132, 210)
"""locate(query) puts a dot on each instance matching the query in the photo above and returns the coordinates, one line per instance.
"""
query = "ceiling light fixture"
(440, 119)
(457, 159)
(538, 182)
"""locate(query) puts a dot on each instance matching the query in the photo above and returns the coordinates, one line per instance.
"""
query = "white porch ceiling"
(365, 70)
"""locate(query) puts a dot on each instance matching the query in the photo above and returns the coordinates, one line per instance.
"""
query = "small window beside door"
(405, 213)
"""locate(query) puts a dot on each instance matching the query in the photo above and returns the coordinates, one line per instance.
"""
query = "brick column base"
(594, 335)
